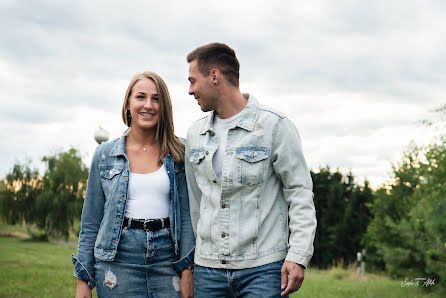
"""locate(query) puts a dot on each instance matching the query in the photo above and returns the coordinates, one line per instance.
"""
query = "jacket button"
(207, 152)
(224, 262)
(223, 235)
(224, 206)
(215, 181)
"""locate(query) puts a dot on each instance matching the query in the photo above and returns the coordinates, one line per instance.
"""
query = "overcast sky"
(354, 76)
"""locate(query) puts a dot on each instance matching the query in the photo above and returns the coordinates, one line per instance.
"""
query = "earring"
(128, 114)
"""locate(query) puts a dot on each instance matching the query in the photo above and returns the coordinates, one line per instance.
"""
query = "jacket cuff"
(298, 257)
(81, 273)
(183, 263)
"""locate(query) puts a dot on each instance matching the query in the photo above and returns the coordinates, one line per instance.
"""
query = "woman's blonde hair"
(165, 135)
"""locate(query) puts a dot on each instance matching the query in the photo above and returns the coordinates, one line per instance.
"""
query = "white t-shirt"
(148, 195)
(221, 128)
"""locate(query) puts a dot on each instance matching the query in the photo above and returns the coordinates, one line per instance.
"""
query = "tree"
(342, 214)
(408, 232)
(18, 193)
(51, 202)
(63, 189)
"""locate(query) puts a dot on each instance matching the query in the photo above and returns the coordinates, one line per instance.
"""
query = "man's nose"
(191, 91)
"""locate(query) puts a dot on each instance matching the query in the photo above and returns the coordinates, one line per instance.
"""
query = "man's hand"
(187, 283)
(296, 277)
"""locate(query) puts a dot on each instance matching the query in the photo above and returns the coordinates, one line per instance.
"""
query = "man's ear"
(215, 76)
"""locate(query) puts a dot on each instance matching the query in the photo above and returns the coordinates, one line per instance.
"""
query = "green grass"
(35, 269)
(345, 283)
(41, 269)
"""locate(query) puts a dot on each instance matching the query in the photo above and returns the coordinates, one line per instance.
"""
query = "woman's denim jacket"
(104, 206)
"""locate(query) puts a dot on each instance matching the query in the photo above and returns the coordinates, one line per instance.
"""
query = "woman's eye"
(156, 99)
(140, 97)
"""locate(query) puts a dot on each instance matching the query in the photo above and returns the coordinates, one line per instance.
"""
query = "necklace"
(144, 148)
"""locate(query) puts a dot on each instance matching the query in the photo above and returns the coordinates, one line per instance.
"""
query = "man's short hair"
(219, 56)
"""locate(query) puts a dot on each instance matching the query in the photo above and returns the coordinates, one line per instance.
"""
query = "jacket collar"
(247, 119)
(119, 147)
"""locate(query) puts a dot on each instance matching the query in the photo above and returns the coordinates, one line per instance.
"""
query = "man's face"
(201, 88)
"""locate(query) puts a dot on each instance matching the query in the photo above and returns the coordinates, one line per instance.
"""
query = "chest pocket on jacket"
(252, 163)
(196, 156)
(197, 160)
(109, 179)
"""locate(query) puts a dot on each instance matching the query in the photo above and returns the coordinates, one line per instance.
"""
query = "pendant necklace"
(144, 148)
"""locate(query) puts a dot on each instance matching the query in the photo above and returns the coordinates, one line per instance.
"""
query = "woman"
(136, 228)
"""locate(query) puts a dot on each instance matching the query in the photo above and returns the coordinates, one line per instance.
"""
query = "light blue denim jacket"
(104, 207)
(244, 219)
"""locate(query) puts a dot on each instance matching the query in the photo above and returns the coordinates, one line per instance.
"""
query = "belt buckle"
(146, 223)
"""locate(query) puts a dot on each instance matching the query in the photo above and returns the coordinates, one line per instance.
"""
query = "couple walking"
(229, 213)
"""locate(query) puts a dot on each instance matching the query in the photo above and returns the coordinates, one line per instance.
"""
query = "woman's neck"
(142, 137)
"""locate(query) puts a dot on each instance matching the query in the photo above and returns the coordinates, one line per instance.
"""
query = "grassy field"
(38, 269)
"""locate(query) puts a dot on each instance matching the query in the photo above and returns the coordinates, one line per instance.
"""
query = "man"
(249, 185)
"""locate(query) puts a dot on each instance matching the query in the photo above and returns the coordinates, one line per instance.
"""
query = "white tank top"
(148, 195)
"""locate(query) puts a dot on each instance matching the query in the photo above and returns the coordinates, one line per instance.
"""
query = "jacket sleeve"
(290, 166)
(187, 237)
(193, 189)
(92, 214)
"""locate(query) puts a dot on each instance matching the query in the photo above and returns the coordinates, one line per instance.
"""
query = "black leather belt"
(147, 224)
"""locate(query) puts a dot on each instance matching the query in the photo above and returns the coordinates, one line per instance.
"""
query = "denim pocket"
(252, 164)
(109, 178)
(196, 156)
(108, 172)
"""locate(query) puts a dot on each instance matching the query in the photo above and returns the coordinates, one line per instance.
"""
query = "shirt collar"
(246, 121)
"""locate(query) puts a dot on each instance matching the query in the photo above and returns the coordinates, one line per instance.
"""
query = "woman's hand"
(83, 290)
(187, 283)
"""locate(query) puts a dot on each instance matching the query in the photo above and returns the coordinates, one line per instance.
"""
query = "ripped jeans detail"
(141, 268)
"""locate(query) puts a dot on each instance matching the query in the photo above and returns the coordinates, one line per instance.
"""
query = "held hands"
(187, 283)
(296, 277)
(83, 290)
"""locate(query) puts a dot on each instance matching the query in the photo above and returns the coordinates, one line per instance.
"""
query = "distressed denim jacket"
(104, 207)
(244, 219)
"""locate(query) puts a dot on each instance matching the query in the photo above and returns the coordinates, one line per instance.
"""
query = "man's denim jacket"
(104, 206)
(244, 219)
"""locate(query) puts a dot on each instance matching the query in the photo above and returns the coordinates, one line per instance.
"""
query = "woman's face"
(144, 105)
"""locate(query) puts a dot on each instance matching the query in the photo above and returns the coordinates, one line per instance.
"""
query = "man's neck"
(230, 104)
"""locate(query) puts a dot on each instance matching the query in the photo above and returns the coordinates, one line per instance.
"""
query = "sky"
(356, 77)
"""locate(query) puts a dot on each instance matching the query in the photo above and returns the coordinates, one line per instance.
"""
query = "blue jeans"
(141, 268)
(261, 281)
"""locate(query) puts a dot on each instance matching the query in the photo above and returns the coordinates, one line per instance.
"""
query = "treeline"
(51, 202)
(402, 225)
(343, 214)
(407, 235)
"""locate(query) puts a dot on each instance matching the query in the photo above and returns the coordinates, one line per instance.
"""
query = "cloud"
(353, 76)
